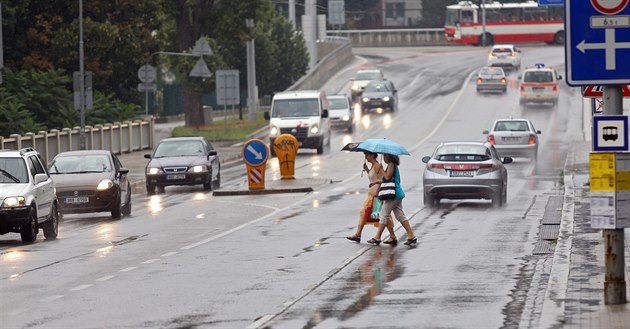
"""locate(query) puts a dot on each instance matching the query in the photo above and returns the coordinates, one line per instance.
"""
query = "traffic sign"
(610, 133)
(597, 42)
(597, 104)
(144, 87)
(550, 2)
(598, 91)
(227, 84)
(147, 73)
(255, 152)
(200, 70)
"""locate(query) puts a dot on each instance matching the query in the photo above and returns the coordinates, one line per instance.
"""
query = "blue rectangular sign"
(551, 2)
(597, 44)
(610, 133)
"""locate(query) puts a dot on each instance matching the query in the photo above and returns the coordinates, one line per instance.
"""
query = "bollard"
(255, 154)
(285, 147)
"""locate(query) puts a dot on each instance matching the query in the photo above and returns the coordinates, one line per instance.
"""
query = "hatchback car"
(362, 78)
(491, 79)
(27, 196)
(340, 112)
(91, 181)
(505, 56)
(183, 161)
(465, 170)
(539, 84)
(379, 95)
(514, 138)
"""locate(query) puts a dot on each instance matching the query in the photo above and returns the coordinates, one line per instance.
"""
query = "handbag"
(387, 191)
(376, 209)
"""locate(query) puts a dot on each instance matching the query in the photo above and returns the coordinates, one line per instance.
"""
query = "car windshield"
(511, 126)
(491, 71)
(376, 87)
(79, 164)
(288, 108)
(179, 149)
(463, 153)
(538, 76)
(13, 170)
(368, 76)
(337, 103)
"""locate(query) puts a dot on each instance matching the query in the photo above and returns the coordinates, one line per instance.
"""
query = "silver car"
(491, 79)
(340, 112)
(465, 170)
(514, 138)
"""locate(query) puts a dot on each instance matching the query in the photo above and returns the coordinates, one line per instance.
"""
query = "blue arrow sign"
(597, 42)
(255, 152)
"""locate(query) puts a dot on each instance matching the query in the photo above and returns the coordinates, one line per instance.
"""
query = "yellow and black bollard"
(285, 147)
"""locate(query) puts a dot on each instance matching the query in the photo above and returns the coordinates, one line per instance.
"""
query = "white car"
(505, 56)
(341, 113)
(28, 200)
(514, 137)
(362, 78)
(539, 85)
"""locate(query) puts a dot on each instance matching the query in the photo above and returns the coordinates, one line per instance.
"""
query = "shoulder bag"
(387, 191)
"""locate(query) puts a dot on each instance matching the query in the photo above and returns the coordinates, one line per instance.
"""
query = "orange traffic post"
(286, 147)
(255, 154)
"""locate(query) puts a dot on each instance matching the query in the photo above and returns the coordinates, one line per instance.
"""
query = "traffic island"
(304, 185)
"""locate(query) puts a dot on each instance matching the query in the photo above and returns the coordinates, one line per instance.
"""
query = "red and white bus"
(505, 23)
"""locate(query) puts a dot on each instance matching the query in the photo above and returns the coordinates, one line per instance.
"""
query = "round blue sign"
(255, 152)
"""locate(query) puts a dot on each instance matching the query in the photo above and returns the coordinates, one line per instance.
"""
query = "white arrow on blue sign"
(255, 152)
(597, 42)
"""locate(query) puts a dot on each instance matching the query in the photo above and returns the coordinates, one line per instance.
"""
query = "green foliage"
(434, 13)
(13, 117)
(221, 130)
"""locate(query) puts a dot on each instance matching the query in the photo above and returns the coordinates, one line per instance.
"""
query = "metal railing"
(125, 137)
(393, 37)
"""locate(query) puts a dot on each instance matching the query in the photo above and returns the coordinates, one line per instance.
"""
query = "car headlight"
(314, 130)
(386, 99)
(197, 169)
(365, 99)
(13, 202)
(273, 131)
(355, 87)
(104, 185)
(153, 171)
(345, 118)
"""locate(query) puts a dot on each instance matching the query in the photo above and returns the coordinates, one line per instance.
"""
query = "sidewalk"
(575, 291)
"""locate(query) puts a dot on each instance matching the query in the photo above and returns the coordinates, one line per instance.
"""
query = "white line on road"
(260, 321)
(168, 254)
(128, 269)
(105, 278)
(151, 261)
(81, 287)
(51, 298)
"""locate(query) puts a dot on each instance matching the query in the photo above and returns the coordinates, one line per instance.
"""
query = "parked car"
(514, 138)
(27, 196)
(340, 112)
(361, 79)
(506, 55)
(379, 95)
(183, 161)
(539, 84)
(90, 181)
(465, 170)
(491, 79)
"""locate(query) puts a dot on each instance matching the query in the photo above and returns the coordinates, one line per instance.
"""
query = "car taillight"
(522, 88)
(490, 55)
(532, 139)
(491, 139)
(512, 54)
(479, 80)
(488, 166)
(436, 165)
(555, 89)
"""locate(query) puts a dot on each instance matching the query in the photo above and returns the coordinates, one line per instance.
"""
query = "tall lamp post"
(81, 78)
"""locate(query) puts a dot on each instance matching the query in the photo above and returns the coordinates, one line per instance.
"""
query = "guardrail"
(125, 137)
(393, 37)
(338, 56)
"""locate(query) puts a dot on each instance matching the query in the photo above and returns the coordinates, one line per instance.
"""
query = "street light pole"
(81, 79)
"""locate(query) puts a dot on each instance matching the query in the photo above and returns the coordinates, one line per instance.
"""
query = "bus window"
(467, 16)
(452, 17)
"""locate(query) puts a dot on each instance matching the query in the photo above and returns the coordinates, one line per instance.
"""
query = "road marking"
(81, 287)
(51, 298)
(105, 278)
(168, 254)
(128, 269)
(151, 261)
(260, 321)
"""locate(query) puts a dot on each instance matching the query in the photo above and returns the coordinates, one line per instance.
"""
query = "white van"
(303, 114)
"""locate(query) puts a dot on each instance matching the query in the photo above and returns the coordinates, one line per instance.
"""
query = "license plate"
(376, 103)
(538, 89)
(81, 199)
(462, 173)
(510, 139)
(177, 176)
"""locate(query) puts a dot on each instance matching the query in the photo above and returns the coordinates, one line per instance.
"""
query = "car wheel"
(497, 199)
(504, 196)
(126, 209)
(51, 226)
(431, 201)
(28, 231)
(559, 38)
(351, 128)
(320, 148)
(208, 186)
(117, 212)
(217, 182)
(160, 189)
(150, 189)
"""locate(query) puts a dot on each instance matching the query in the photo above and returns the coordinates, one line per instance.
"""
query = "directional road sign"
(255, 152)
(598, 91)
(610, 133)
(551, 2)
(597, 42)
(597, 104)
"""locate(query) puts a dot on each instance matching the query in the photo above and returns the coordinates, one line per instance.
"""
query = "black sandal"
(354, 238)
(393, 242)
(411, 241)
(374, 241)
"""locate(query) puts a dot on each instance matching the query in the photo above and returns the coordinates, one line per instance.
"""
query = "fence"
(393, 37)
(118, 137)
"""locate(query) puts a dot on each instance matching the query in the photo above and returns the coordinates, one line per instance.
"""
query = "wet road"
(190, 259)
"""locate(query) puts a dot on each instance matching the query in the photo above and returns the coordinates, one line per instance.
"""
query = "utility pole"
(82, 79)
(292, 12)
(252, 95)
(483, 23)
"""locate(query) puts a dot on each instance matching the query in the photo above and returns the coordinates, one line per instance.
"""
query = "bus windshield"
(452, 17)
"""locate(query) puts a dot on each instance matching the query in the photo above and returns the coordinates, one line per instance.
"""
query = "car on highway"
(89, 181)
(27, 196)
(183, 161)
(505, 55)
(340, 112)
(465, 170)
(514, 137)
(539, 84)
(361, 79)
(381, 94)
(491, 79)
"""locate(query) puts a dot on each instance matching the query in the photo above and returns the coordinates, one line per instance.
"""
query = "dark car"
(91, 181)
(183, 161)
(379, 95)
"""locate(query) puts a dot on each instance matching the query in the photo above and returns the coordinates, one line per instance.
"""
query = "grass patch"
(231, 129)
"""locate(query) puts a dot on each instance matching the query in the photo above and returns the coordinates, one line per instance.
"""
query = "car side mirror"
(507, 160)
(147, 156)
(485, 132)
(267, 116)
(426, 159)
(559, 77)
(213, 152)
(325, 113)
(40, 178)
(123, 171)
(538, 132)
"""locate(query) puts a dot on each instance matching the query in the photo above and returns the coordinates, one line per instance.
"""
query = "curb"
(258, 192)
